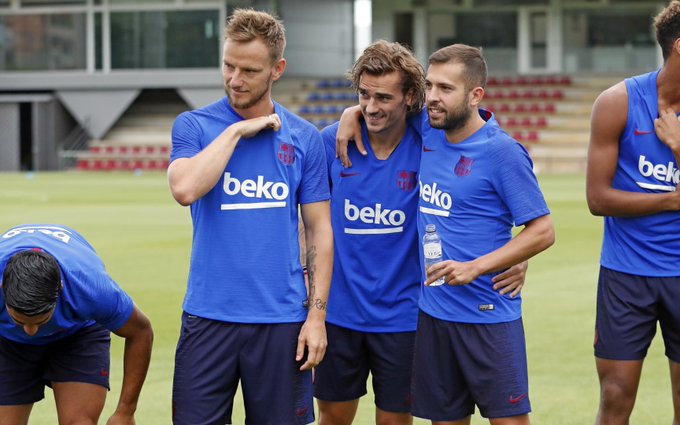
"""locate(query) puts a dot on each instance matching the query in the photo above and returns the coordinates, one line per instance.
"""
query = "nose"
(235, 79)
(371, 106)
(31, 329)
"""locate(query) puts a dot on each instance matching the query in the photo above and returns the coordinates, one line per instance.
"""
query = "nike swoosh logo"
(642, 132)
(426, 149)
(343, 174)
(515, 400)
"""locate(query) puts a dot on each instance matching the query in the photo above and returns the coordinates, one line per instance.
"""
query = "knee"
(617, 397)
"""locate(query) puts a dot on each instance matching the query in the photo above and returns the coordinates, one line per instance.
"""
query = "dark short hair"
(475, 69)
(383, 57)
(667, 26)
(31, 282)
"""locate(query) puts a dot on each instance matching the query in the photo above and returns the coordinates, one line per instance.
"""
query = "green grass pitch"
(144, 238)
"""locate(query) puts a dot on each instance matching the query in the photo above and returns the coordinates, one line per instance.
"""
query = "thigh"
(493, 358)
(342, 374)
(82, 357)
(22, 367)
(78, 403)
(438, 386)
(669, 316)
(275, 391)
(391, 361)
(627, 312)
(206, 371)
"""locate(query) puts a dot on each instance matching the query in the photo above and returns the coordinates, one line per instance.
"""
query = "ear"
(279, 67)
(676, 45)
(476, 95)
(409, 98)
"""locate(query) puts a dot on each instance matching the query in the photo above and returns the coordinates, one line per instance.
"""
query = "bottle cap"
(430, 228)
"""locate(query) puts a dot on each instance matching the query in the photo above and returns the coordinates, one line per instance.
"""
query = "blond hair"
(245, 25)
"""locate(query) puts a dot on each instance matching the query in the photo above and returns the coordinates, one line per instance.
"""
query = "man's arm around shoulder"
(138, 336)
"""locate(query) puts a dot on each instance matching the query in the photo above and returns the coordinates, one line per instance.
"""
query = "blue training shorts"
(213, 356)
(460, 365)
(25, 369)
(628, 308)
(351, 355)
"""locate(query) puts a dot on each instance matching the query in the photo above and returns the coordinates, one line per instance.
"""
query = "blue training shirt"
(245, 265)
(376, 271)
(645, 245)
(474, 191)
(88, 293)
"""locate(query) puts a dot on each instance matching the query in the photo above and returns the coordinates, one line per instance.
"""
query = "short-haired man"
(376, 281)
(57, 309)
(244, 164)
(632, 181)
(476, 183)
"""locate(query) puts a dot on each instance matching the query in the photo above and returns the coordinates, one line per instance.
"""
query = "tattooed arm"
(319, 246)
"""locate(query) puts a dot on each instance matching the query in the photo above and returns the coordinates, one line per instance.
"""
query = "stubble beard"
(254, 100)
(453, 120)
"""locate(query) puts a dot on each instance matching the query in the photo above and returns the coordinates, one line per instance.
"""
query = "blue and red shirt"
(245, 265)
(645, 245)
(475, 192)
(88, 295)
(376, 271)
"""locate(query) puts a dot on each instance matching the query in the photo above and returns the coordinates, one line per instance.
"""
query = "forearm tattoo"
(312, 300)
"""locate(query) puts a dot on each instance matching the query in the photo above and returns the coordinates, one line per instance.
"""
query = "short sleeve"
(314, 184)
(186, 137)
(516, 182)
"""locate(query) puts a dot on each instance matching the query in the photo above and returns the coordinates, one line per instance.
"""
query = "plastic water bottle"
(432, 250)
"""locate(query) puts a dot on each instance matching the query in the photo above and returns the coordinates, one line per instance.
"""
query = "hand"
(667, 127)
(121, 419)
(313, 337)
(249, 128)
(454, 273)
(511, 280)
(349, 129)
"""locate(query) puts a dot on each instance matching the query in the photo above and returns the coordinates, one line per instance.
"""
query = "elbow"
(182, 194)
(595, 203)
(546, 237)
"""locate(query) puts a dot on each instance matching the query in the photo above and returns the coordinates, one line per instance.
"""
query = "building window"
(609, 40)
(165, 39)
(42, 42)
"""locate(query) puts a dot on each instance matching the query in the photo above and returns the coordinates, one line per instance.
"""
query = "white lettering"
(374, 215)
(435, 196)
(260, 189)
(662, 172)
(54, 232)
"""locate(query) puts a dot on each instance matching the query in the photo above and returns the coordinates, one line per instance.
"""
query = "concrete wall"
(9, 137)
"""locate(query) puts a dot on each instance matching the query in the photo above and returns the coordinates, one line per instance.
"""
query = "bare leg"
(619, 382)
(465, 421)
(15, 415)
(512, 420)
(675, 387)
(78, 403)
(337, 412)
(390, 418)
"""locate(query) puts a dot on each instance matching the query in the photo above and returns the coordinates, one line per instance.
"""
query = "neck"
(668, 84)
(264, 107)
(385, 142)
(471, 127)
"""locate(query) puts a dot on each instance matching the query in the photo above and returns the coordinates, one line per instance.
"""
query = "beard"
(453, 119)
(255, 96)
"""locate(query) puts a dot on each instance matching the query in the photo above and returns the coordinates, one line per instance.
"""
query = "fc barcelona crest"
(464, 166)
(406, 180)
(286, 153)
